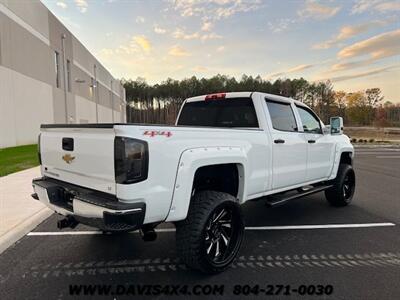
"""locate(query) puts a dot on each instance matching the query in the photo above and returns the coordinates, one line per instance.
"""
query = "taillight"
(38, 150)
(131, 160)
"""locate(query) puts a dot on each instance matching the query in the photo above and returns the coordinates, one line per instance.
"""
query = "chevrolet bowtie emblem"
(68, 158)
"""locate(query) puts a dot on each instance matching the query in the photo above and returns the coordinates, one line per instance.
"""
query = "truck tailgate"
(82, 156)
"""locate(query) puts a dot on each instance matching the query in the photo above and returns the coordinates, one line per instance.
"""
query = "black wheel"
(210, 237)
(342, 191)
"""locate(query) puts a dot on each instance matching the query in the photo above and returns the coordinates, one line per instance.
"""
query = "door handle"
(279, 141)
(311, 141)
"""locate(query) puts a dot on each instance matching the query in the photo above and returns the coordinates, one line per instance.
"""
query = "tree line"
(160, 103)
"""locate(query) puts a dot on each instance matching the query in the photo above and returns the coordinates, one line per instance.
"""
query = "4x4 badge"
(68, 158)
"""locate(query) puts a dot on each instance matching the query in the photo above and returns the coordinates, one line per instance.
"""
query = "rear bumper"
(89, 207)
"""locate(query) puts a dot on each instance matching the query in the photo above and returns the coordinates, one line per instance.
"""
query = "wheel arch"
(343, 155)
(194, 167)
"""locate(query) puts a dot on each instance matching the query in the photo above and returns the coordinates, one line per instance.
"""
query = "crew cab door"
(320, 147)
(289, 151)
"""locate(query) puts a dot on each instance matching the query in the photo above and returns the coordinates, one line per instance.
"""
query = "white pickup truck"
(224, 150)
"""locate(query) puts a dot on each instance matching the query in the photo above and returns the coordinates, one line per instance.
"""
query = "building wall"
(30, 35)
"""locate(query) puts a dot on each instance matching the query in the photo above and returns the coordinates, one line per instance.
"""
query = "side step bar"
(279, 199)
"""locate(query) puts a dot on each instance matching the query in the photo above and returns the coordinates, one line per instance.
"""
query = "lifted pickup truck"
(224, 150)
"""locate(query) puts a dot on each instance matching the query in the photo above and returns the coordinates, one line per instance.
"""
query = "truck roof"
(245, 95)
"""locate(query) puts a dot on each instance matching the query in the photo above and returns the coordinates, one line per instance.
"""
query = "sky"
(354, 43)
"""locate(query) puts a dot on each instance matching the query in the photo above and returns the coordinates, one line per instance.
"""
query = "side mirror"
(336, 125)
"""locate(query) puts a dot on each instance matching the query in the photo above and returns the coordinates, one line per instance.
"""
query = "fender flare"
(339, 151)
(193, 159)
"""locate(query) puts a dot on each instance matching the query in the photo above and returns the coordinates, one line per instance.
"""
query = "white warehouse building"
(48, 76)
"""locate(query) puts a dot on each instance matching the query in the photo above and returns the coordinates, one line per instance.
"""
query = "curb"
(19, 231)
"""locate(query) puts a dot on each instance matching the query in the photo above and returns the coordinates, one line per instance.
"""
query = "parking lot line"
(289, 227)
(323, 226)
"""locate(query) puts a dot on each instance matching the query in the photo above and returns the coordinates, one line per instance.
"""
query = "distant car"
(224, 150)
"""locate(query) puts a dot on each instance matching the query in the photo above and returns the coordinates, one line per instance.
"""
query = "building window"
(69, 75)
(57, 64)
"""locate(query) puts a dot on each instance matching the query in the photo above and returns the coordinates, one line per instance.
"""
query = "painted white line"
(388, 156)
(324, 226)
(40, 233)
(289, 227)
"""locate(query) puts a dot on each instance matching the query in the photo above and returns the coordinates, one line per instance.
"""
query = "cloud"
(347, 32)
(351, 65)
(214, 9)
(82, 5)
(221, 49)
(143, 43)
(317, 11)
(178, 51)
(210, 36)
(388, 6)
(360, 75)
(183, 35)
(140, 20)
(207, 26)
(61, 4)
(380, 46)
(200, 69)
(375, 5)
(280, 25)
(291, 70)
(159, 30)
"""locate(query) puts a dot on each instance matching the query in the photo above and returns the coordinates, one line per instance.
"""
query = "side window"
(282, 116)
(310, 122)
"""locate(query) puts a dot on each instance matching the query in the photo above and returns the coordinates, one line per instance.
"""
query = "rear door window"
(282, 116)
(231, 112)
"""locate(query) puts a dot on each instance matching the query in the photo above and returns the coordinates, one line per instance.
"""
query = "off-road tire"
(338, 194)
(193, 233)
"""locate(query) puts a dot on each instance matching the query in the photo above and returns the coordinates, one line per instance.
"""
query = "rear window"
(234, 112)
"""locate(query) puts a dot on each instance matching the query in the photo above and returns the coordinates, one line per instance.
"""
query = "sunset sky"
(356, 44)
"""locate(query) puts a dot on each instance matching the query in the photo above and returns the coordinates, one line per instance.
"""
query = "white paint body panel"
(93, 164)
(264, 167)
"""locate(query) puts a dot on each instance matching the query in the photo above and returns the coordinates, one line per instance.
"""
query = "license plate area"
(61, 197)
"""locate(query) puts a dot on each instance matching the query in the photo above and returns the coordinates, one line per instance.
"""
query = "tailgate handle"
(68, 144)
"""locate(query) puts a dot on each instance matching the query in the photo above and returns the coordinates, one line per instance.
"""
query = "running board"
(276, 200)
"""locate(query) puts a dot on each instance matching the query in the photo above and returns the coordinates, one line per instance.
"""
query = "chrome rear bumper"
(89, 207)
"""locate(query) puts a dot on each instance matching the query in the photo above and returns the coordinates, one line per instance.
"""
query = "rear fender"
(193, 159)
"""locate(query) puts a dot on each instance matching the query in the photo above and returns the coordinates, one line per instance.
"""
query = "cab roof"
(244, 95)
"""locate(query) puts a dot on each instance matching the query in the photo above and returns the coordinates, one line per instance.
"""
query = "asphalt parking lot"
(359, 257)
